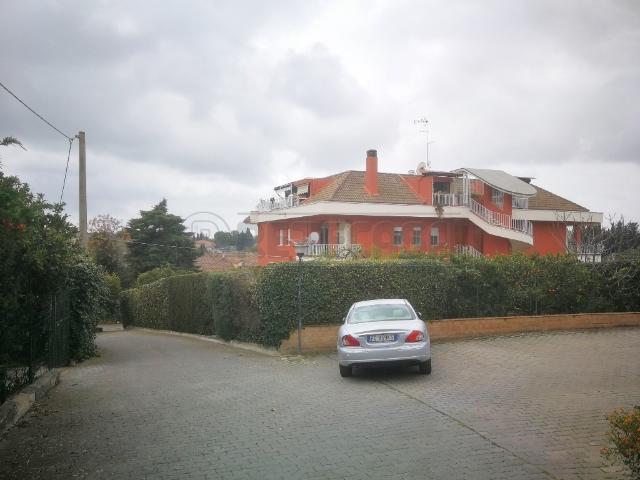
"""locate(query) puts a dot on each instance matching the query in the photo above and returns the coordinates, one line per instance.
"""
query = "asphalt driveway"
(160, 406)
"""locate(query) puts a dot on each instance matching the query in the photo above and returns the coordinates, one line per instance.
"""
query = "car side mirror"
(344, 319)
(419, 315)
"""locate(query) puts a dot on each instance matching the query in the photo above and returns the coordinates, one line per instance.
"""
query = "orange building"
(473, 211)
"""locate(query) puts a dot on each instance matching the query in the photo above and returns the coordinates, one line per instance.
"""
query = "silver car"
(379, 332)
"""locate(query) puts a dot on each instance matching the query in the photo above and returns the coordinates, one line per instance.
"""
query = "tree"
(107, 246)
(234, 239)
(6, 141)
(158, 238)
(619, 239)
(42, 261)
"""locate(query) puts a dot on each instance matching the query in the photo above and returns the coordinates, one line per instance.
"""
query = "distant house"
(468, 210)
(208, 245)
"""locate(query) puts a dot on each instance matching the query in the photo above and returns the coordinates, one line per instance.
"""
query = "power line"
(36, 113)
(159, 245)
(66, 168)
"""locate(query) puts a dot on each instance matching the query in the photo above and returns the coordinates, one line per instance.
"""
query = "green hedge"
(202, 303)
(458, 287)
(262, 305)
(189, 303)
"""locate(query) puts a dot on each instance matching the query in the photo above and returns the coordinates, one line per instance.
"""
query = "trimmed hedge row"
(262, 305)
(200, 303)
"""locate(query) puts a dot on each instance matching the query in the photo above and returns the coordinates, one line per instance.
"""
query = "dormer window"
(497, 197)
(519, 202)
(303, 190)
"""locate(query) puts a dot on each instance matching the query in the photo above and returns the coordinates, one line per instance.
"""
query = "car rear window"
(380, 312)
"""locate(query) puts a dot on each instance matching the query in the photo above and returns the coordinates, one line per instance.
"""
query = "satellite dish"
(422, 168)
(314, 237)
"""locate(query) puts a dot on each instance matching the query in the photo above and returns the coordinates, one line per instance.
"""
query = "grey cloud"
(226, 90)
(317, 81)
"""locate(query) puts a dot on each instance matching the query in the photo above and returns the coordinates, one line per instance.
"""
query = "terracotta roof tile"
(545, 200)
(349, 187)
(217, 262)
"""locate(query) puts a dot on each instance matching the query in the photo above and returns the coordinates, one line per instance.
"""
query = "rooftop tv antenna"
(423, 126)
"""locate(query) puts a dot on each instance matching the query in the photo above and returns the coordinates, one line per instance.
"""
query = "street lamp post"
(301, 249)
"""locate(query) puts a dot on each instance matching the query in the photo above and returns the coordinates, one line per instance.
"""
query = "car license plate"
(381, 338)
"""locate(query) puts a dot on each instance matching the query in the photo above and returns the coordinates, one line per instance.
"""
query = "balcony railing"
(341, 250)
(524, 226)
(447, 199)
(468, 250)
(277, 203)
(494, 218)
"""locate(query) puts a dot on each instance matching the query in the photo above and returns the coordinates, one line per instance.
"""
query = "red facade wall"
(376, 235)
(422, 186)
(548, 237)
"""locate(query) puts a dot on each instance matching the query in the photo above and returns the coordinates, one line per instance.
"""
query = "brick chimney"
(371, 174)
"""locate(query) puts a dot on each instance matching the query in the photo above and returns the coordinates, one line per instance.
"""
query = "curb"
(272, 352)
(18, 404)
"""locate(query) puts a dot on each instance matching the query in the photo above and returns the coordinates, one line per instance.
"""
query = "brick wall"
(323, 338)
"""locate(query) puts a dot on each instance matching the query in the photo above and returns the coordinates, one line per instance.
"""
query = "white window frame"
(281, 237)
(435, 234)
(418, 231)
(497, 197)
(398, 230)
(519, 202)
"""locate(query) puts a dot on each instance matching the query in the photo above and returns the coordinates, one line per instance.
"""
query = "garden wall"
(324, 338)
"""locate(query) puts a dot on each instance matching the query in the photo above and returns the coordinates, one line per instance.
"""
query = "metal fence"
(47, 347)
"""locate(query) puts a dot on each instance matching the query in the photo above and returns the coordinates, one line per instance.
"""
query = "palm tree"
(6, 141)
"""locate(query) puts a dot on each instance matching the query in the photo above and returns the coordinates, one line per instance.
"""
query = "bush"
(46, 282)
(624, 434)
(262, 305)
(190, 304)
(235, 315)
(328, 289)
(112, 307)
(128, 305)
(87, 295)
(201, 303)
(156, 274)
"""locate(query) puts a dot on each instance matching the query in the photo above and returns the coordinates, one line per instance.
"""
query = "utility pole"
(82, 213)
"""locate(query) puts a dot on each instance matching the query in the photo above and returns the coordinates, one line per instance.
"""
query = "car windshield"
(380, 312)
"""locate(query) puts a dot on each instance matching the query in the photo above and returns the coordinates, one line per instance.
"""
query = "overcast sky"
(211, 104)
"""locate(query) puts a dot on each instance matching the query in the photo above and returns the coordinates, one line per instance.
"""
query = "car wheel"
(424, 367)
(345, 371)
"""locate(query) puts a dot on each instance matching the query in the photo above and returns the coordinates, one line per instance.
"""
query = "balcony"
(447, 199)
(494, 218)
(343, 250)
(590, 253)
(277, 203)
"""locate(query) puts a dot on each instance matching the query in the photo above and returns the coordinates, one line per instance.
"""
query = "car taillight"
(414, 336)
(350, 341)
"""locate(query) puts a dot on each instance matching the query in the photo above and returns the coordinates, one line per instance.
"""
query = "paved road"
(167, 407)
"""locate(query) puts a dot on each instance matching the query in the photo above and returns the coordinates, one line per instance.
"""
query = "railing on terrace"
(333, 250)
(447, 199)
(468, 250)
(590, 253)
(590, 249)
(277, 203)
(495, 218)
(524, 226)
